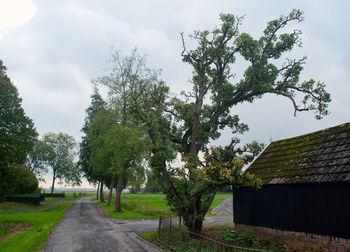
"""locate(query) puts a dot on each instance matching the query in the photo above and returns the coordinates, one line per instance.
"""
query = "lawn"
(156, 205)
(38, 219)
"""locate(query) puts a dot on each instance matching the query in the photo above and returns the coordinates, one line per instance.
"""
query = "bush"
(27, 182)
(17, 180)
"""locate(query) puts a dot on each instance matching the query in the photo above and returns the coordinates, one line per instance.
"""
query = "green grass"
(43, 219)
(219, 198)
(70, 197)
(156, 203)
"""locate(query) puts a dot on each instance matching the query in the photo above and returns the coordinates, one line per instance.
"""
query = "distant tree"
(136, 177)
(35, 162)
(57, 152)
(154, 184)
(17, 132)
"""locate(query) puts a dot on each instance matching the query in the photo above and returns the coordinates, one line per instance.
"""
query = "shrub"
(27, 182)
(18, 181)
(55, 195)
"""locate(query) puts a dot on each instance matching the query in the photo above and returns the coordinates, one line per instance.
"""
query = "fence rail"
(175, 236)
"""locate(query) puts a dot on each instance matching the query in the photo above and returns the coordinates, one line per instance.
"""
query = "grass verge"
(42, 219)
(134, 206)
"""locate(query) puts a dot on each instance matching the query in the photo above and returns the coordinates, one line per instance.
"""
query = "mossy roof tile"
(318, 157)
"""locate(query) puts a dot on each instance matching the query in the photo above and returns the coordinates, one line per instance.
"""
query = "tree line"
(142, 128)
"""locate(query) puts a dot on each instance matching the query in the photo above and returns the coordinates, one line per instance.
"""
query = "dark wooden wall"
(312, 208)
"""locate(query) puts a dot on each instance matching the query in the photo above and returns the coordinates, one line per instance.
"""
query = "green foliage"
(17, 133)
(97, 105)
(21, 181)
(154, 184)
(3, 229)
(187, 125)
(112, 145)
(26, 181)
(57, 151)
(36, 162)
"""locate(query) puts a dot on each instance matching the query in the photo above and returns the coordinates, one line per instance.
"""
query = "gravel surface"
(86, 227)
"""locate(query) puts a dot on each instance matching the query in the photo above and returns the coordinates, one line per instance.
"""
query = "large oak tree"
(188, 125)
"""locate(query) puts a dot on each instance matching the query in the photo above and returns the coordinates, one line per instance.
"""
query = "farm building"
(306, 185)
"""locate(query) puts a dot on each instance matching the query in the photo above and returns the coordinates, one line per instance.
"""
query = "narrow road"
(85, 228)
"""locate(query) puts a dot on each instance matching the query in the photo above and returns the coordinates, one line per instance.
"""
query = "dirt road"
(84, 228)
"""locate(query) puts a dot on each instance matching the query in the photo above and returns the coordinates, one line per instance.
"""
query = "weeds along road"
(86, 228)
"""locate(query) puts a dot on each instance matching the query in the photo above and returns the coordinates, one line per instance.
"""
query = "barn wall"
(312, 208)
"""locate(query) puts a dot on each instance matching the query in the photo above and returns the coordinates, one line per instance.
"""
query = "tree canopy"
(17, 132)
(119, 141)
(57, 152)
(188, 124)
(97, 104)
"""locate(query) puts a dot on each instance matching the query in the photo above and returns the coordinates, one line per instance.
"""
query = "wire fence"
(176, 237)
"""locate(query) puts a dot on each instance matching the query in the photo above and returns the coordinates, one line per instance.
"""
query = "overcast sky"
(53, 49)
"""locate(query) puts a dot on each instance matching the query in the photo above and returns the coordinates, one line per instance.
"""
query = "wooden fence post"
(159, 227)
(169, 231)
(146, 207)
(140, 206)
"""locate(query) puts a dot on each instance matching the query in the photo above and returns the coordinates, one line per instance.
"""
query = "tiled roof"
(318, 157)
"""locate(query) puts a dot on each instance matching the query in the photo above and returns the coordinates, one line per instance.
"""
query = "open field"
(70, 197)
(156, 205)
(37, 220)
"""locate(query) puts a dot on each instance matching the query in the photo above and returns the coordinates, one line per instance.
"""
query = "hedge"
(55, 195)
(25, 198)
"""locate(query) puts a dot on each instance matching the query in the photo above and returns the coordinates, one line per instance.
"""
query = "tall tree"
(117, 148)
(17, 132)
(100, 155)
(57, 152)
(123, 82)
(188, 125)
(97, 104)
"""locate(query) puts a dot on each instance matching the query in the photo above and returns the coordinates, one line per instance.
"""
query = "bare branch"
(183, 43)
